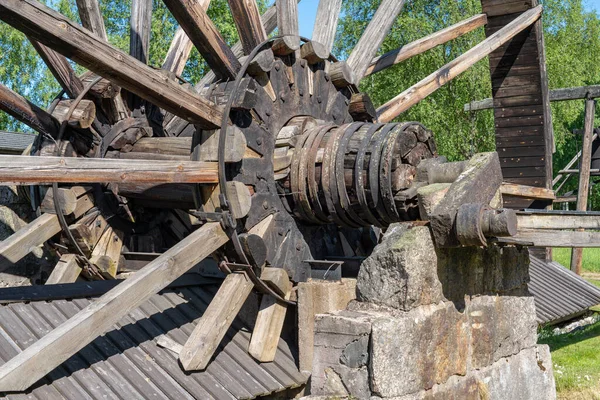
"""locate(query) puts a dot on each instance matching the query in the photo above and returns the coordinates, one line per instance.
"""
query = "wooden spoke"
(141, 26)
(433, 82)
(287, 20)
(328, 15)
(60, 69)
(248, 23)
(205, 36)
(50, 351)
(373, 37)
(427, 43)
(46, 26)
(27, 112)
(91, 17)
(66, 270)
(34, 170)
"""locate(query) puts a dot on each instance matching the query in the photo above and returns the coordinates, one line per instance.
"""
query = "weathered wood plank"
(527, 191)
(34, 170)
(427, 43)
(60, 69)
(287, 21)
(140, 29)
(553, 238)
(45, 25)
(24, 111)
(433, 82)
(50, 351)
(365, 50)
(328, 15)
(584, 175)
(558, 222)
(91, 17)
(66, 270)
(206, 38)
(248, 23)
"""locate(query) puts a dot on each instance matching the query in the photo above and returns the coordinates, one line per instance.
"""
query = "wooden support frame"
(433, 82)
(28, 170)
(33, 363)
(427, 43)
(43, 24)
(584, 175)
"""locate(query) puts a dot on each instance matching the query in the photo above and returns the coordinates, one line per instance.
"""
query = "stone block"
(429, 196)
(341, 355)
(402, 271)
(501, 326)
(416, 350)
(478, 270)
(318, 297)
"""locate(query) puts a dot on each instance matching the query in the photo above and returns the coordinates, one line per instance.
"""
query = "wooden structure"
(272, 152)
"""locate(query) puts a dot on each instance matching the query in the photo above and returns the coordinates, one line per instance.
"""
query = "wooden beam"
(427, 43)
(584, 175)
(216, 320)
(33, 363)
(566, 94)
(248, 23)
(328, 15)
(270, 319)
(60, 69)
(23, 110)
(91, 17)
(56, 31)
(66, 270)
(27, 170)
(531, 192)
(557, 222)
(178, 53)
(433, 82)
(371, 40)
(554, 238)
(206, 38)
(140, 29)
(287, 21)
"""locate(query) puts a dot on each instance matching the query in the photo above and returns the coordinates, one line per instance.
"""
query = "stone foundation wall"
(434, 324)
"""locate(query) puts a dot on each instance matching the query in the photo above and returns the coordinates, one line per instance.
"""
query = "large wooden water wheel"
(272, 163)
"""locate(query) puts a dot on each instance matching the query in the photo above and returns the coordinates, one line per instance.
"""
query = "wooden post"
(249, 25)
(433, 82)
(91, 17)
(205, 36)
(35, 170)
(427, 43)
(373, 37)
(139, 43)
(328, 15)
(287, 20)
(584, 176)
(33, 363)
(70, 39)
(60, 69)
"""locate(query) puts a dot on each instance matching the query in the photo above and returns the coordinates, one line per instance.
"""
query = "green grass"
(576, 359)
(591, 259)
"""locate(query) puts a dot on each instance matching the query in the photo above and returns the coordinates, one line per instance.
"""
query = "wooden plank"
(328, 15)
(50, 351)
(527, 191)
(427, 43)
(507, 162)
(216, 320)
(204, 34)
(509, 122)
(584, 175)
(60, 69)
(503, 7)
(558, 222)
(68, 38)
(529, 172)
(510, 91)
(24, 111)
(433, 82)
(91, 17)
(66, 270)
(553, 238)
(520, 131)
(368, 45)
(270, 319)
(28, 170)
(522, 151)
(248, 23)
(140, 29)
(520, 111)
(180, 48)
(287, 21)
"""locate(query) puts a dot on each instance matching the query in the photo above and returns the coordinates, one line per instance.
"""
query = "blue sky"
(307, 10)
